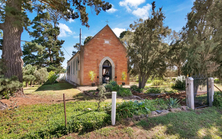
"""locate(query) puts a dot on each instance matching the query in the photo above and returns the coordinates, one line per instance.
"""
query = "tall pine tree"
(45, 49)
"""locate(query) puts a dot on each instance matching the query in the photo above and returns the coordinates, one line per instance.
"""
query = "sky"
(119, 17)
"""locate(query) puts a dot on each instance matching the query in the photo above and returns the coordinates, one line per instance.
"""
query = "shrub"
(51, 77)
(180, 84)
(28, 74)
(136, 88)
(217, 99)
(149, 81)
(124, 92)
(41, 75)
(173, 103)
(108, 87)
(216, 81)
(157, 82)
(113, 83)
(8, 86)
(155, 90)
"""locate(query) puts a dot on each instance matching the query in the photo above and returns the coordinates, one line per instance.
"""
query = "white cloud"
(112, 10)
(117, 31)
(71, 20)
(64, 30)
(142, 12)
(131, 3)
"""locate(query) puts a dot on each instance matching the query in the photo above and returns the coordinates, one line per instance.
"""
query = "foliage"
(145, 48)
(92, 75)
(28, 74)
(113, 83)
(45, 49)
(113, 86)
(14, 17)
(124, 92)
(102, 95)
(47, 121)
(109, 87)
(124, 76)
(51, 77)
(41, 75)
(157, 82)
(135, 88)
(217, 81)
(8, 86)
(180, 83)
(155, 90)
(173, 103)
(217, 99)
(203, 39)
(130, 108)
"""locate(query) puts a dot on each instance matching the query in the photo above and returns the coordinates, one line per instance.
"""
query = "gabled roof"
(101, 31)
(95, 36)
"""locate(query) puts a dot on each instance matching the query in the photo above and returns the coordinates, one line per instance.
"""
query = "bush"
(157, 82)
(124, 92)
(113, 83)
(135, 88)
(8, 86)
(149, 81)
(108, 87)
(155, 90)
(216, 81)
(130, 108)
(180, 83)
(28, 74)
(41, 75)
(217, 99)
(173, 103)
(51, 77)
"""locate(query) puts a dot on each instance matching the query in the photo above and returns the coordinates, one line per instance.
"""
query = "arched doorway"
(106, 70)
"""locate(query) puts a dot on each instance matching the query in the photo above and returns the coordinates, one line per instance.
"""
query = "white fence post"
(113, 113)
(190, 93)
(211, 91)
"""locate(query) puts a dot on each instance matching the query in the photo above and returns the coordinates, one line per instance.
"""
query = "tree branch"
(1, 26)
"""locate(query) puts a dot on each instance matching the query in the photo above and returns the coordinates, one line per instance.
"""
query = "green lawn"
(47, 121)
(54, 91)
(204, 123)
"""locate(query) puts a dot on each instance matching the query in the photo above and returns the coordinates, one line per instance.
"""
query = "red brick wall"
(96, 50)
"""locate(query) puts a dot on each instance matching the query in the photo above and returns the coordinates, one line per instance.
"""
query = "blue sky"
(122, 14)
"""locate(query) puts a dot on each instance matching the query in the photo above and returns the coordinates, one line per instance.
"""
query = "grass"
(203, 123)
(54, 91)
(47, 121)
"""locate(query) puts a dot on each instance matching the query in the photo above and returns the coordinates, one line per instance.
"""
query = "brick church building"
(104, 54)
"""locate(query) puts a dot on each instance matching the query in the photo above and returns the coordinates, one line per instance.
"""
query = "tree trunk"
(178, 70)
(142, 81)
(12, 30)
(26, 84)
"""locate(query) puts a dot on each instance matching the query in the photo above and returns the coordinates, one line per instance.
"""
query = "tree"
(146, 51)
(45, 49)
(41, 75)
(28, 74)
(203, 46)
(177, 52)
(14, 18)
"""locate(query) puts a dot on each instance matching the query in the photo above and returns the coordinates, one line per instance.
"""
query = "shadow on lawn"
(204, 123)
(55, 86)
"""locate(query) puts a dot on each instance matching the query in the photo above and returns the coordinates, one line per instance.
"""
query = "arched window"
(106, 64)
